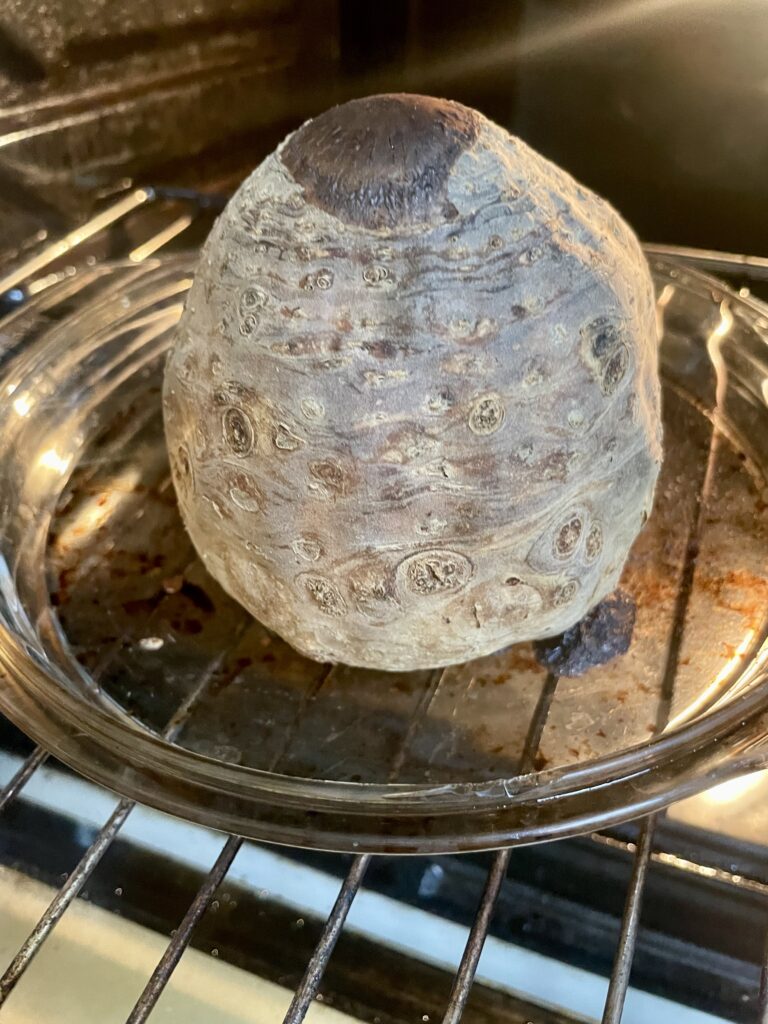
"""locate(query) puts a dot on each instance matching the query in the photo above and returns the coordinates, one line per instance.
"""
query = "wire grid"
(172, 224)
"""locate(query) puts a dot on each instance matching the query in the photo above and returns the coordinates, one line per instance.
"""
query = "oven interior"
(659, 106)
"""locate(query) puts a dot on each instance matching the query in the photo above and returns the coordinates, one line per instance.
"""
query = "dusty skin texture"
(412, 408)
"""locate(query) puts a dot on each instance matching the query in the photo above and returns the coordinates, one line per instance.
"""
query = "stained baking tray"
(126, 660)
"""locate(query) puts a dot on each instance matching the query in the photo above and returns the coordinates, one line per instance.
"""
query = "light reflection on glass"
(52, 460)
(22, 405)
(97, 509)
(667, 294)
(720, 681)
(734, 789)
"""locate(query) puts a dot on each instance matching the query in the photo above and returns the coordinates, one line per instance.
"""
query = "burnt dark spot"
(600, 636)
(518, 312)
(141, 607)
(513, 581)
(66, 578)
(197, 596)
(381, 161)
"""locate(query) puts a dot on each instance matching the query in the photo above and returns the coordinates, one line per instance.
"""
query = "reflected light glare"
(91, 513)
(726, 321)
(667, 294)
(714, 688)
(734, 789)
(714, 343)
(22, 405)
(562, 34)
(52, 460)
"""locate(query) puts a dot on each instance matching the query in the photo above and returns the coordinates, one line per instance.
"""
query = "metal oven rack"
(155, 219)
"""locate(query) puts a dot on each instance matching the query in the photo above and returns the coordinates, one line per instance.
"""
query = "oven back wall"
(658, 104)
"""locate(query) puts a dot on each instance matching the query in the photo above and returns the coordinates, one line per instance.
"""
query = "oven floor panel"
(94, 966)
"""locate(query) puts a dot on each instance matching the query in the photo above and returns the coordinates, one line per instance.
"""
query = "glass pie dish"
(125, 659)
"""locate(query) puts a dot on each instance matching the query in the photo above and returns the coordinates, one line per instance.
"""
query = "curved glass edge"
(360, 825)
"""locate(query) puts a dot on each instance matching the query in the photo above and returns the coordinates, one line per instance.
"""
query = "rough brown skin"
(413, 408)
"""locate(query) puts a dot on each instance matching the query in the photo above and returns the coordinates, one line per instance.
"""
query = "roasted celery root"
(412, 408)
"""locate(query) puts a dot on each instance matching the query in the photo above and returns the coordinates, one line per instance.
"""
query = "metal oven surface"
(661, 107)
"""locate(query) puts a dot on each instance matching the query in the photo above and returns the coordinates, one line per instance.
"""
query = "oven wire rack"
(163, 218)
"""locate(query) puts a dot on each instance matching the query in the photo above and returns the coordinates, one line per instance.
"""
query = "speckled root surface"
(412, 408)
